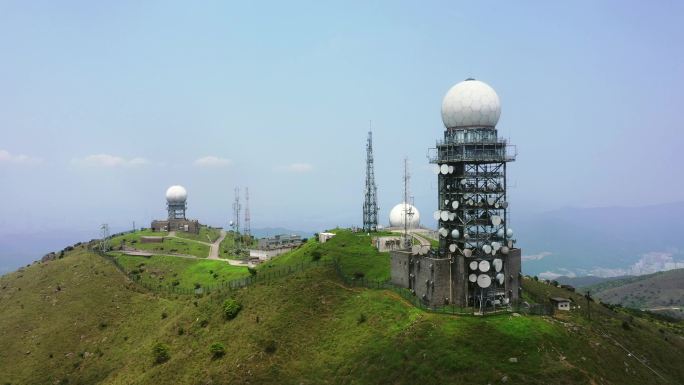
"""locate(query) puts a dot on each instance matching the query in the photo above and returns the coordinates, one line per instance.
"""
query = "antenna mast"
(408, 210)
(370, 202)
(104, 242)
(248, 229)
(236, 221)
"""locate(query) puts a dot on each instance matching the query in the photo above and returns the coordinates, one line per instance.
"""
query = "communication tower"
(235, 223)
(408, 208)
(104, 238)
(248, 229)
(370, 202)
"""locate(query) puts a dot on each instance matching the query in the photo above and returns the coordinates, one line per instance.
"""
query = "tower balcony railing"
(452, 152)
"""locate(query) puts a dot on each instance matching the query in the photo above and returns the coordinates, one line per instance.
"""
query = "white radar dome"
(396, 216)
(176, 194)
(471, 103)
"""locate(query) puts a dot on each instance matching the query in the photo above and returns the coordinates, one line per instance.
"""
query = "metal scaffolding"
(370, 202)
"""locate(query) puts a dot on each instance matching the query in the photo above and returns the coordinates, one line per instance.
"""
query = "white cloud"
(649, 263)
(549, 275)
(7, 157)
(107, 160)
(212, 161)
(297, 167)
(536, 257)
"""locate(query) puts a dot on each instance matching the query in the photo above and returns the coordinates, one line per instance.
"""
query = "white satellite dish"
(472, 278)
(230, 223)
(473, 265)
(455, 234)
(443, 232)
(444, 169)
(435, 169)
(496, 220)
(452, 247)
(436, 215)
(509, 233)
(504, 250)
(446, 202)
(463, 181)
(504, 205)
(484, 266)
(467, 253)
(496, 205)
(496, 246)
(483, 281)
(491, 201)
(466, 236)
(444, 215)
(487, 249)
(498, 264)
(500, 278)
(451, 169)
(499, 233)
(510, 244)
(454, 204)
(452, 216)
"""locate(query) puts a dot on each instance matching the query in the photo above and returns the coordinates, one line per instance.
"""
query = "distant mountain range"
(603, 242)
(271, 231)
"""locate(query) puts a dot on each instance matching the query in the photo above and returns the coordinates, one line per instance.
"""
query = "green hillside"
(170, 245)
(79, 320)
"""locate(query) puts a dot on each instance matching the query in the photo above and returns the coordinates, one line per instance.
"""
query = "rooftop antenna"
(248, 229)
(408, 210)
(236, 220)
(370, 202)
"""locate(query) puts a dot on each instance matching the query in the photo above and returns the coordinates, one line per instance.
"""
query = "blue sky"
(105, 104)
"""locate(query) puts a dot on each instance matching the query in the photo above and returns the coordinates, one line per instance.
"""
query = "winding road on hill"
(215, 247)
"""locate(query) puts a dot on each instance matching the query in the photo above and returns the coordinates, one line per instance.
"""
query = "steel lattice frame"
(476, 179)
(370, 202)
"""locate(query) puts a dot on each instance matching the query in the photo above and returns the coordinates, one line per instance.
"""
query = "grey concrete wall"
(432, 282)
(512, 266)
(460, 281)
(399, 267)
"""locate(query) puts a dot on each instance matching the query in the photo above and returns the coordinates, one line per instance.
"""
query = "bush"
(217, 350)
(315, 255)
(231, 308)
(270, 346)
(252, 271)
(361, 319)
(160, 352)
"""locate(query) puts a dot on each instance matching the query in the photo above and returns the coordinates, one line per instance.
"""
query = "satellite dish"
(473, 265)
(230, 223)
(504, 250)
(499, 233)
(509, 232)
(451, 169)
(483, 281)
(452, 247)
(444, 215)
(455, 233)
(484, 266)
(444, 169)
(510, 244)
(500, 278)
(443, 232)
(496, 220)
(466, 236)
(452, 216)
(504, 205)
(498, 264)
(436, 215)
(463, 181)
(491, 201)
(467, 253)
(487, 249)
(472, 278)
(446, 202)
(454, 204)
(436, 169)
(496, 205)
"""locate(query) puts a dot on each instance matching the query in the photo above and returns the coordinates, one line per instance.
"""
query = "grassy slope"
(170, 245)
(312, 321)
(206, 234)
(164, 270)
(664, 288)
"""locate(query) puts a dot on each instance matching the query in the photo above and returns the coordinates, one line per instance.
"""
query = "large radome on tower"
(471, 103)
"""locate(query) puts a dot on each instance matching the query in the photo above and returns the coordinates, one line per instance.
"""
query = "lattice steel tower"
(248, 219)
(472, 205)
(370, 202)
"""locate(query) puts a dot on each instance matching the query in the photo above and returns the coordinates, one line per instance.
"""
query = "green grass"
(170, 245)
(305, 328)
(165, 271)
(206, 234)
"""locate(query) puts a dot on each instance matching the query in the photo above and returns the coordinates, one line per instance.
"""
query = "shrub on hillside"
(315, 255)
(217, 350)
(252, 271)
(231, 308)
(160, 352)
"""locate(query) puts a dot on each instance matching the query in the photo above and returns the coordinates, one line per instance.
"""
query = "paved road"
(215, 247)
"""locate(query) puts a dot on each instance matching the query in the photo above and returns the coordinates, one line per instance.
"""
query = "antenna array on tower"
(370, 202)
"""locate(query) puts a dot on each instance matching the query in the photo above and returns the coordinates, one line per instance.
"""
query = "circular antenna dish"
(496, 246)
(473, 265)
(499, 233)
(467, 253)
(444, 215)
(504, 205)
(452, 247)
(436, 215)
(500, 278)
(452, 216)
(472, 278)
(484, 266)
(230, 223)
(496, 205)
(443, 232)
(455, 233)
(504, 250)
(484, 281)
(446, 202)
(491, 201)
(466, 236)
(509, 233)
(510, 244)
(454, 204)
(444, 169)
(435, 169)
(496, 220)
(451, 169)
(463, 181)
(487, 249)
(498, 264)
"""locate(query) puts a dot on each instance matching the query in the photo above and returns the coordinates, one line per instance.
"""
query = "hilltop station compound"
(176, 204)
(476, 263)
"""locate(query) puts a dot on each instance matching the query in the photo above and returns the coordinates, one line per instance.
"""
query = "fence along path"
(278, 272)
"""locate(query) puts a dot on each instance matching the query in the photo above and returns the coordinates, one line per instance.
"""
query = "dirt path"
(214, 248)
